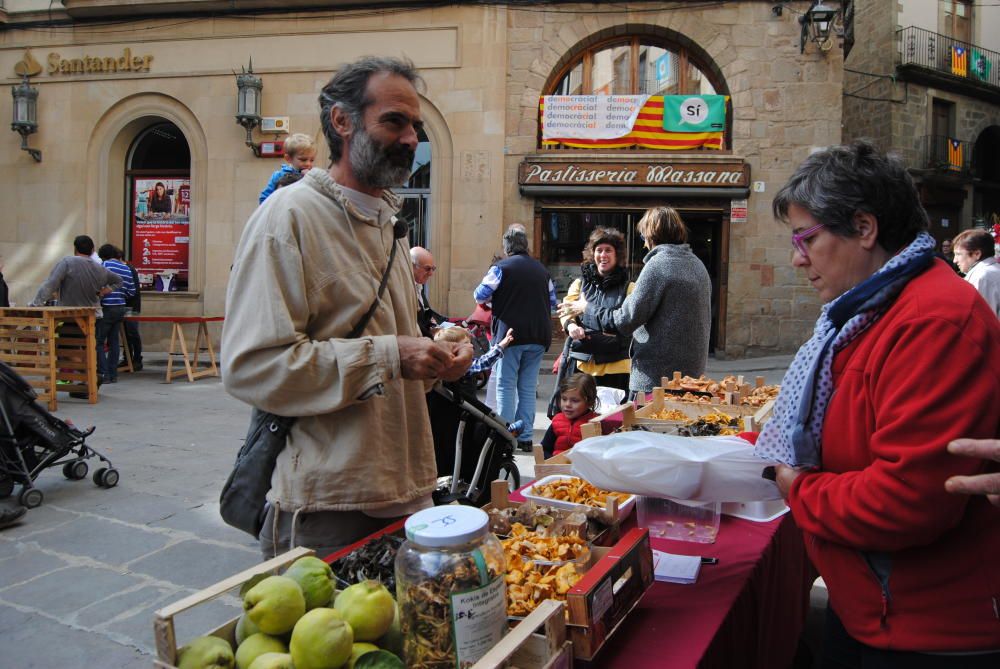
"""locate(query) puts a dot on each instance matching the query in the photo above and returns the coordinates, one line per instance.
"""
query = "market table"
(53, 348)
(190, 358)
(746, 611)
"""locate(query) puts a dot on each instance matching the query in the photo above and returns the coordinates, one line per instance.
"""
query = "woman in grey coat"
(668, 314)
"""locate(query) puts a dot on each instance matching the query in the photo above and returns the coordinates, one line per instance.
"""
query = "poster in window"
(160, 232)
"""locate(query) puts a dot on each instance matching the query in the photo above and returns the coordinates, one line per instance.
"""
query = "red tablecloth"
(746, 611)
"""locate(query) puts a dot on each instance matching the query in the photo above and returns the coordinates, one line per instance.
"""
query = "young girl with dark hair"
(577, 401)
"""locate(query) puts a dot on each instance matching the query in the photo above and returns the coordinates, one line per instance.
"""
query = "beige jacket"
(303, 276)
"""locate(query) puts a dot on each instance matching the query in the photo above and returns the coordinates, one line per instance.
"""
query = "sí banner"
(161, 232)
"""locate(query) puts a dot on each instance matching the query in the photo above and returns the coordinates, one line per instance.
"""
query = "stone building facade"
(485, 67)
(784, 104)
(904, 89)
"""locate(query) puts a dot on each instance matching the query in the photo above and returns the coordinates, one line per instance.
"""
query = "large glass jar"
(450, 588)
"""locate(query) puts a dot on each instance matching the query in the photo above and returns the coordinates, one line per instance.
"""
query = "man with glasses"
(423, 269)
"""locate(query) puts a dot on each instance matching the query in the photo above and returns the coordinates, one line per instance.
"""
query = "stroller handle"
(477, 409)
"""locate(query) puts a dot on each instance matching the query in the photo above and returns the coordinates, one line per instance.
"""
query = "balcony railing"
(946, 154)
(955, 59)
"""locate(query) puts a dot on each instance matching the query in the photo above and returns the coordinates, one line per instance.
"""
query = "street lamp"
(25, 118)
(816, 24)
(249, 87)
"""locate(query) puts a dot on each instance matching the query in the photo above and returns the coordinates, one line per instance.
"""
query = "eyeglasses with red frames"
(799, 237)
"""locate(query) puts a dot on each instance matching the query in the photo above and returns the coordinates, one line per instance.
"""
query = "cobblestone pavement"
(83, 573)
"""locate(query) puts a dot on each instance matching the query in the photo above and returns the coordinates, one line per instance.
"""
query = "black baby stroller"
(472, 444)
(32, 439)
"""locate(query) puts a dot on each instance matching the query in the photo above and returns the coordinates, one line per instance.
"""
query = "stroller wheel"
(6, 487)
(510, 473)
(75, 471)
(31, 497)
(111, 478)
(106, 478)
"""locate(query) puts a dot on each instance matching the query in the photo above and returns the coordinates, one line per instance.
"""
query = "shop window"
(417, 193)
(158, 176)
(610, 69)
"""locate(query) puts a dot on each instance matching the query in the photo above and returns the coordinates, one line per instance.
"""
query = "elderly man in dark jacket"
(523, 298)
(669, 314)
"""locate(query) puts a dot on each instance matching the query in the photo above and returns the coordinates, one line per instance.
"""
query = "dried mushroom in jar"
(425, 600)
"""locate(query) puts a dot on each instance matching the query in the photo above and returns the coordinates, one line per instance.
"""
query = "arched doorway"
(158, 186)
(634, 61)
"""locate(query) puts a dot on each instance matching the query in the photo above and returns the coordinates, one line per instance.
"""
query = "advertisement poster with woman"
(160, 232)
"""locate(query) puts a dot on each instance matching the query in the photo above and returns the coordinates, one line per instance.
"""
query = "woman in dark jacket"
(604, 282)
(669, 314)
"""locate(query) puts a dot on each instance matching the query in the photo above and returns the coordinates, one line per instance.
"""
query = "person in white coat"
(974, 251)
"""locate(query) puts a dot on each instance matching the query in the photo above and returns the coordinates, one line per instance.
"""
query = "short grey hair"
(515, 240)
(348, 89)
(836, 183)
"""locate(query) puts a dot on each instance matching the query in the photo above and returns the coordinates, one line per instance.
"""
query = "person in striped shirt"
(113, 306)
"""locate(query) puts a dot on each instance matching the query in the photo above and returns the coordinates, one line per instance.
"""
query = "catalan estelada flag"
(647, 133)
(954, 154)
(959, 60)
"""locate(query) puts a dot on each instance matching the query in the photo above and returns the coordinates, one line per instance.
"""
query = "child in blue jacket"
(300, 153)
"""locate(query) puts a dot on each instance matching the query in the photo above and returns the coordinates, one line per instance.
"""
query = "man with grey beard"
(307, 272)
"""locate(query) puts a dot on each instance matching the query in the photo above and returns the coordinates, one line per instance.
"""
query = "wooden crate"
(501, 500)
(620, 572)
(730, 396)
(525, 648)
(617, 578)
(593, 427)
(51, 348)
(557, 464)
(614, 584)
(163, 621)
(752, 418)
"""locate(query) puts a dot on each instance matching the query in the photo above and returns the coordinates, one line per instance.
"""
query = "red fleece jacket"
(567, 432)
(925, 373)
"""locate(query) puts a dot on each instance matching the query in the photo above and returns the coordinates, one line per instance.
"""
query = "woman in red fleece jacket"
(904, 359)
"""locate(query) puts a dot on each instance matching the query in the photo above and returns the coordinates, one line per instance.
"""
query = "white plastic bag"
(700, 469)
(609, 397)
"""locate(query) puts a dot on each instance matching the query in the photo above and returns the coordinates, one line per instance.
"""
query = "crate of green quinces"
(294, 616)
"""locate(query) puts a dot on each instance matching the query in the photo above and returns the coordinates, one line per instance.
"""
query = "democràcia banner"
(623, 121)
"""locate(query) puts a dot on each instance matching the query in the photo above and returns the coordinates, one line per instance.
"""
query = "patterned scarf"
(794, 432)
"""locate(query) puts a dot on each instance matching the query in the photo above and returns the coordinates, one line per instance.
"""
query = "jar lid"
(448, 525)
